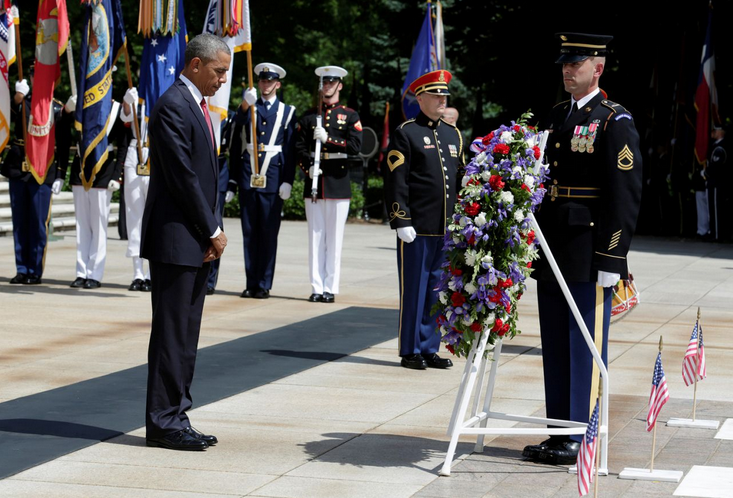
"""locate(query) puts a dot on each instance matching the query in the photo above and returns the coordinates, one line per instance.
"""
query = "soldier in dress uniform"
(266, 183)
(425, 160)
(588, 217)
(92, 206)
(340, 136)
(30, 202)
(718, 177)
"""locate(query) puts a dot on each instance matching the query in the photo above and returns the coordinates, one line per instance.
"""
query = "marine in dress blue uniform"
(340, 136)
(262, 191)
(30, 201)
(588, 217)
(425, 159)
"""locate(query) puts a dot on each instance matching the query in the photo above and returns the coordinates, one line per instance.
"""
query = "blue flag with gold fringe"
(162, 61)
(424, 59)
(103, 38)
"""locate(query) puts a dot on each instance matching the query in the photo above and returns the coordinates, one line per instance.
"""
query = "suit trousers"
(419, 268)
(178, 301)
(326, 222)
(571, 375)
(30, 205)
(92, 217)
(261, 215)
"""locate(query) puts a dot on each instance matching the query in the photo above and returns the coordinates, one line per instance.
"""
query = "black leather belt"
(574, 192)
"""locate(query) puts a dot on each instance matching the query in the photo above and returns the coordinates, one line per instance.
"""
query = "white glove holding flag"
(22, 87)
(70, 105)
(284, 192)
(250, 96)
(56, 186)
(113, 186)
(406, 234)
(320, 134)
(606, 279)
(228, 197)
(145, 155)
(131, 98)
(311, 171)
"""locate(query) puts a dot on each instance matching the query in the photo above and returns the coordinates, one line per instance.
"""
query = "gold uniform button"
(262, 133)
(264, 123)
(555, 163)
(557, 145)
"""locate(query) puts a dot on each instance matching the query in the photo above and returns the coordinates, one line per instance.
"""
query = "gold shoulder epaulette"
(615, 108)
(406, 122)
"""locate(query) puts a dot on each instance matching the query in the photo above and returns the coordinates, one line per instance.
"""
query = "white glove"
(250, 96)
(145, 155)
(606, 279)
(131, 97)
(70, 105)
(311, 171)
(285, 189)
(228, 197)
(22, 87)
(320, 134)
(113, 186)
(406, 234)
(56, 187)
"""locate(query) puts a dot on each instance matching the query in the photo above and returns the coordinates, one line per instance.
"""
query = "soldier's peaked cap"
(435, 82)
(331, 73)
(269, 71)
(575, 47)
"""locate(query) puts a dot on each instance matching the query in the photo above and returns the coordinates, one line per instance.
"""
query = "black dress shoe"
(92, 284)
(206, 438)
(19, 278)
(179, 440)
(564, 453)
(136, 285)
(79, 282)
(32, 280)
(262, 294)
(414, 361)
(246, 293)
(435, 361)
(210, 291)
(532, 451)
(146, 286)
(328, 298)
(315, 298)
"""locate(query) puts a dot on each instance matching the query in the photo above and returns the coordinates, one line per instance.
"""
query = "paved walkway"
(308, 399)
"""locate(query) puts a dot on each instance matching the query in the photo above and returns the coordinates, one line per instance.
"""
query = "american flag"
(694, 361)
(587, 454)
(659, 395)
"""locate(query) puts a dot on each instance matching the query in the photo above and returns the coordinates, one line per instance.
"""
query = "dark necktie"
(267, 105)
(205, 108)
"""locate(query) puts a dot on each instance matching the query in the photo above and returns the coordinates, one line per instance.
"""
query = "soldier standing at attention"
(425, 158)
(340, 135)
(588, 217)
(263, 186)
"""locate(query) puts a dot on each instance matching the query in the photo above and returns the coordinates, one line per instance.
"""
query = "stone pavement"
(342, 419)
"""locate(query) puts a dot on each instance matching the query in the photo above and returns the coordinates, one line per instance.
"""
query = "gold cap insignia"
(442, 76)
(563, 38)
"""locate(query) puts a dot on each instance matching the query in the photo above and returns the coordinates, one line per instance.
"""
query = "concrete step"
(62, 218)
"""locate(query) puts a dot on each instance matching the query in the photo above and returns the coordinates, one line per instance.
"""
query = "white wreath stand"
(472, 382)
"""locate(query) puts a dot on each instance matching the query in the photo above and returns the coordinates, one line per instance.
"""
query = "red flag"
(587, 454)
(52, 35)
(659, 395)
(706, 96)
(385, 135)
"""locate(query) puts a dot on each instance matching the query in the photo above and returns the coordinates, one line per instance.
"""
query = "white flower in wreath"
(470, 288)
(519, 216)
(529, 181)
(481, 158)
(531, 141)
(456, 239)
(487, 259)
(452, 285)
(490, 319)
(470, 257)
(506, 137)
(443, 296)
(517, 172)
(464, 221)
(467, 320)
(480, 220)
(507, 197)
(465, 180)
(485, 176)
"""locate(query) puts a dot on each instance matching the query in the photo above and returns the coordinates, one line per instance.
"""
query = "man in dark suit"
(588, 217)
(181, 234)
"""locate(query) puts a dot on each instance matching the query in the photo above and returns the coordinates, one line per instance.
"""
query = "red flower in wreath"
(473, 209)
(537, 152)
(497, 325)
(457, 299)
(476, 327)
(496, 182)
(501, 149)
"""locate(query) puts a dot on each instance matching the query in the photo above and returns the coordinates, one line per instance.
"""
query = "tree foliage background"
(501, 53)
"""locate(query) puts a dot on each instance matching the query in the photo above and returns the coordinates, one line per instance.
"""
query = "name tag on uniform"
(258, 181)
(453, 150)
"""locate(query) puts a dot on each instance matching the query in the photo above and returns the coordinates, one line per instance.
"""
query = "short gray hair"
(206, 47)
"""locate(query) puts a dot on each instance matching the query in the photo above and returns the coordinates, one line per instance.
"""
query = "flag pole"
(253, 157)
(654, 434)
(19, 56)
(697, 366)
(134, 113)
(599, 447)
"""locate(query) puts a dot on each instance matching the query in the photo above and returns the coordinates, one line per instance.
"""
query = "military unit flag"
(585, 464)
(8, 19)
(693, 364)
(659, 394)
(706, 96)
(52, 35)
(424, 60)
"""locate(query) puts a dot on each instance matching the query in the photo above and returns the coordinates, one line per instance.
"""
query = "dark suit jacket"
(180, 211)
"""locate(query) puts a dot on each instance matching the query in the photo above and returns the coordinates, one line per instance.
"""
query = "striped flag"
(8, 20)
(587, 454)
(659, 395)
(706, 95)
(693, 363)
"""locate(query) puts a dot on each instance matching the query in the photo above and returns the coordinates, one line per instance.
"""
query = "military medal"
(575, 140)
(258, 181)
(592, 130)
